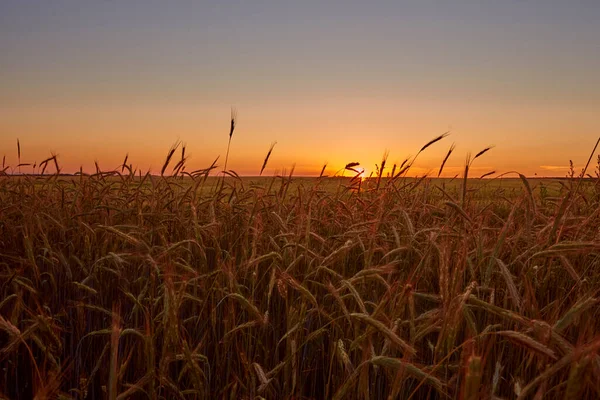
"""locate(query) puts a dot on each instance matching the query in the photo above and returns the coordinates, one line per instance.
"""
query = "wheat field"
(123, 285)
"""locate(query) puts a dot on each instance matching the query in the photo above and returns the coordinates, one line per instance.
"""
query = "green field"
(306, 288)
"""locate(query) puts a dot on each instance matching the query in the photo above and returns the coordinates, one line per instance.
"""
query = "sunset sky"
(330, 81)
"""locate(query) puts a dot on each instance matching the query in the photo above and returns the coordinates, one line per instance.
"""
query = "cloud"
(555, 167)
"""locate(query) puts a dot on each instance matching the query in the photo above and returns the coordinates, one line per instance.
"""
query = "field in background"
(163, 287)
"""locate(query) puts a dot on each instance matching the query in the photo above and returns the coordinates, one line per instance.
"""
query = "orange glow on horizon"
(71, 162)
(330, 130)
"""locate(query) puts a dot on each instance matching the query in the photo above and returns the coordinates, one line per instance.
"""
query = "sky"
(329, 81)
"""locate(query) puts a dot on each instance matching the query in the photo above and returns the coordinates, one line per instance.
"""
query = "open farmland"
(165, 287)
